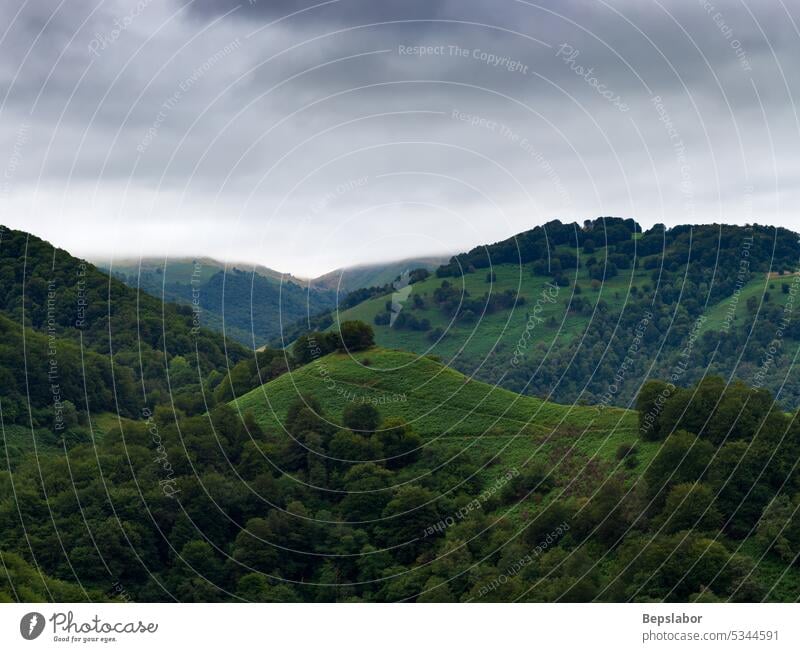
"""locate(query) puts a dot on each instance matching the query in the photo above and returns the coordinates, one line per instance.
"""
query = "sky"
(308, 136)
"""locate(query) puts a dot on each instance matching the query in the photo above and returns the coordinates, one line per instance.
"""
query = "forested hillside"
(566, 311)
(249, 304)
(377, 475)
(75, 342)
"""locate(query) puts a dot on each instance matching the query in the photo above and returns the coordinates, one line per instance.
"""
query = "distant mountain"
(246, 302)
(184, 269)
(364, 276)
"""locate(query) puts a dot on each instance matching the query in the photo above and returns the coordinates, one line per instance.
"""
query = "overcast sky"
(307, 136)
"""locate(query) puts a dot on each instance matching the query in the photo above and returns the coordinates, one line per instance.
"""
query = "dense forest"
(73, 335)
(230, 512)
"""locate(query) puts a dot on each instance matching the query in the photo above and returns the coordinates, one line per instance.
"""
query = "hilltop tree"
(356, 336)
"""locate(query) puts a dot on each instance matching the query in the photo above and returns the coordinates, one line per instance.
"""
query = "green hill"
(436, 400)
(560, 311)
(76, 341)
(454, 415)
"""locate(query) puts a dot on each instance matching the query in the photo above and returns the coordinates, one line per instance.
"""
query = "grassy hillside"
(450, 411)
(468, 340)
(420, 390)
(474, 339)
(588, 468)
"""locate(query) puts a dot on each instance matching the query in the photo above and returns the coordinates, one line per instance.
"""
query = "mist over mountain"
(348, 279)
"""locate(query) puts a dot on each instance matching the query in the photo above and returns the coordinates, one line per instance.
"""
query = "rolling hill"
(558, 311)
(537, 469)
(155, 272)
(437, 401)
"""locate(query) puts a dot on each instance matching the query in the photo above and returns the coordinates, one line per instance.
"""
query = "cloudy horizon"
(307, 137)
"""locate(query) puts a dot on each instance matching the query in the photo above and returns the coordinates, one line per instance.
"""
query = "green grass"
(502, 330)
(718, 314)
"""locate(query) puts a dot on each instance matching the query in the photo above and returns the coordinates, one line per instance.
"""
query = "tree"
(356, 336)
(255, 587)
(436, 589)
(347, 447)
(304, 415)
(366, 498)
(740, 472)
(779, 528)
(406, 517)
(682, 458)
(649, 404)
(361, 418)
(690, 505)
(675, 567)
(399, 442)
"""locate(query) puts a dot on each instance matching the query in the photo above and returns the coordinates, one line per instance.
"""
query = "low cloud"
(237, 160)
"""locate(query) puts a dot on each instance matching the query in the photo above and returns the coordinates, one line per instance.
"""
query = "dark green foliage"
(690, 506)
(353, 336)
(682, 458)
(74, 318)
(356, 336)
(361, 418)
(399, 443)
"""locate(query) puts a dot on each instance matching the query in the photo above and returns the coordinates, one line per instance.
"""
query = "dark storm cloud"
(322, 11)
(146, 137)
